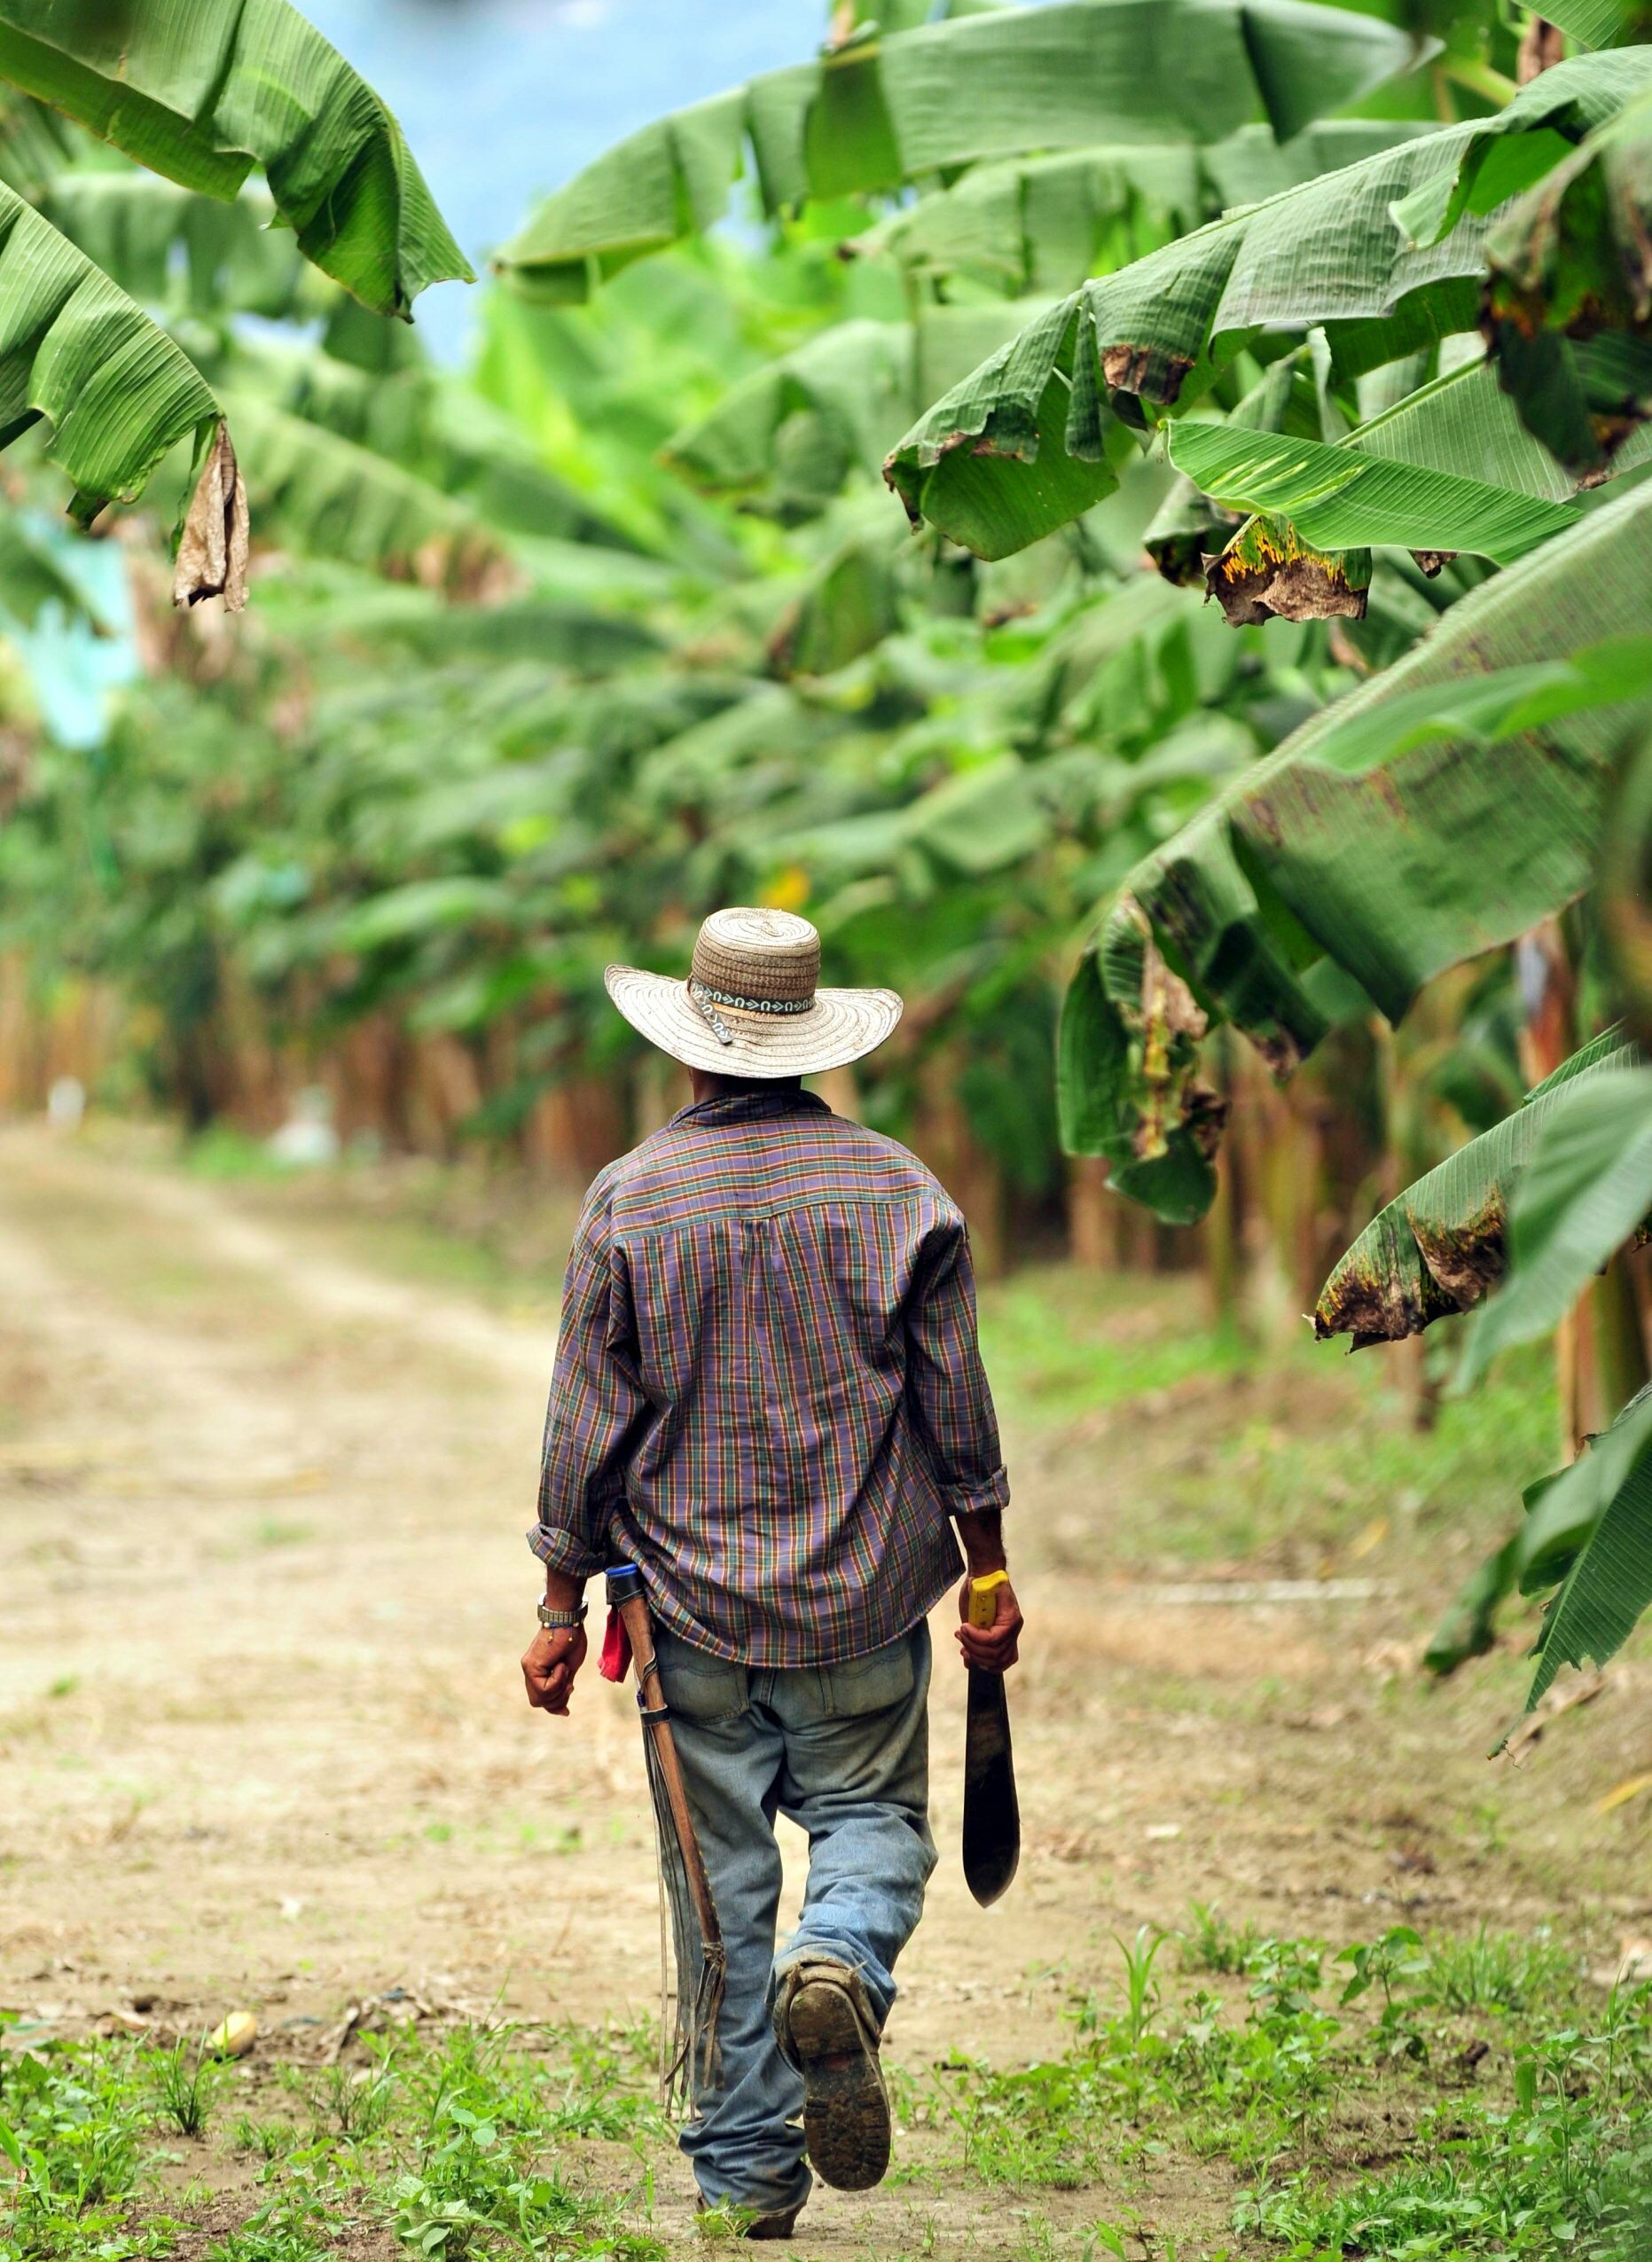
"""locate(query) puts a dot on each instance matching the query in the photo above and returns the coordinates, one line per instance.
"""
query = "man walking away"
(769, 1398)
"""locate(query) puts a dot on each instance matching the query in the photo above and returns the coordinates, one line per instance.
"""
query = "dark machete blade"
(991, 1812)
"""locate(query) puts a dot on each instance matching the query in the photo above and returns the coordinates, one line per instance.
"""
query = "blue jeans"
(843, 1752)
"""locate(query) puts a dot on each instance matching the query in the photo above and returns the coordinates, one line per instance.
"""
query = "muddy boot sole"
(846, 2108)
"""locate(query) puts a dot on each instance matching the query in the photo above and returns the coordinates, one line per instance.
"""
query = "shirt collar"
(750, 1107)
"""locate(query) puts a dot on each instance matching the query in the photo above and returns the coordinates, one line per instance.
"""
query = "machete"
(991, 1813)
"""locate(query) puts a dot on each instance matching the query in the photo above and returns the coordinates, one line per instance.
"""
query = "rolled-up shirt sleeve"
(946, 1383)
(597, 1406)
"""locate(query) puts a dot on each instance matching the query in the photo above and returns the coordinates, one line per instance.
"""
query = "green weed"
(1210, 1942)
(1556, 2164)
(71, 2122)
(1498, 1971)
(183, 2082)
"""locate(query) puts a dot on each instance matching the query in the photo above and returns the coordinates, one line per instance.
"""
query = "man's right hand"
(549, 1664)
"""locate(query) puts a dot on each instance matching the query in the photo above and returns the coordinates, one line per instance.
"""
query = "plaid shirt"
(768, 1393)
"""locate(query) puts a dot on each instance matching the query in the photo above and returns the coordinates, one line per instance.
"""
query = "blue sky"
(502, 99)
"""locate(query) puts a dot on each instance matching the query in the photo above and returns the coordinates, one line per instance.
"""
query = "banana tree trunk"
(1548, 991)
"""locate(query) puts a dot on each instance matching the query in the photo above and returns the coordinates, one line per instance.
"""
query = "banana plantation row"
(1239, 733)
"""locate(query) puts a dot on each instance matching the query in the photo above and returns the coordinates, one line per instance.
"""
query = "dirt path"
(263, 1587)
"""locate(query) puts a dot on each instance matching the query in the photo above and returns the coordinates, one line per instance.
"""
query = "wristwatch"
(556, 1621)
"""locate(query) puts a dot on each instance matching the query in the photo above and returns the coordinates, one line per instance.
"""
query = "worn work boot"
(825, 2029)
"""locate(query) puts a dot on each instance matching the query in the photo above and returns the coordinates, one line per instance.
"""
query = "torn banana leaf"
(876, 111)
(1605, 1498)
(201, 94)
(1188, 525)
(1267, 571)
(1586, 1190)
(1386, 837)
(997, 494)
(1443, 1243)
(1569, 297)
(1327, 254)
(326, 497)
(1462, 427)
(1343, 499)
(75, 350)
(1564, 1513)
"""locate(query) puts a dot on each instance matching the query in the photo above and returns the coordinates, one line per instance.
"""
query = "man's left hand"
(993, 1648)
(549, 1664)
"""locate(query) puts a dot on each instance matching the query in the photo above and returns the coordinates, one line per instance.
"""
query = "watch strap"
(558, 1621)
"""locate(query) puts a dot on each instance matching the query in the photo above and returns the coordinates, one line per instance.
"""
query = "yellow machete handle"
(984, 1598)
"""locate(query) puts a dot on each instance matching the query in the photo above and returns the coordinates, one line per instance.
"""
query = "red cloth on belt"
(616, 1661)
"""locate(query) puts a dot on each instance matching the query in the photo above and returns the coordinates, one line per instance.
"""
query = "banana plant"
(1553, 1189)
(1336, 875)
(200, 96)
(876, 111)
(1587, 1535)
(203, 94)
(1039, 416)
(1566, 299)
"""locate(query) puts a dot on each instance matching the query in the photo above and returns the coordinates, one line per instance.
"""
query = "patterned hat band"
(705, 1000)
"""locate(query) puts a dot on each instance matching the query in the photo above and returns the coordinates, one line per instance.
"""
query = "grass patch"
(466, 2146)
(1060, 1342)
(1404, 2101)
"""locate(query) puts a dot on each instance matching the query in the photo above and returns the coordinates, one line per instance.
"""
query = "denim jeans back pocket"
(869, 1683)
(696, 1683)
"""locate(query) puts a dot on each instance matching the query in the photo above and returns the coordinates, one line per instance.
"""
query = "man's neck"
(709, 1086)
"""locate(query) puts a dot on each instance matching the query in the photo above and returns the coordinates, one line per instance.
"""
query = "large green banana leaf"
(1599, 23)
(1569, 300)
(132, 225)
(1327, 254)
(1339, 499)
(1586, 1189)
(1606, 1497)
(876, 111)
(202, 90)
(1385, 838)
(1456, 470)
(75, 350)
(1442, 1244)
(1043, 223)
(328, 497)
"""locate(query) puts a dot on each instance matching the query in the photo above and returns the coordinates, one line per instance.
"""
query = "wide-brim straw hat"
(752, 1004)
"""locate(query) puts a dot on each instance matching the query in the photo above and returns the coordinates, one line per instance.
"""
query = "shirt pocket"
(882, 1678)
(698, 1685)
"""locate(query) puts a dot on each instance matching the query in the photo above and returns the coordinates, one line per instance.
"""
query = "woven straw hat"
(752, 1004)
